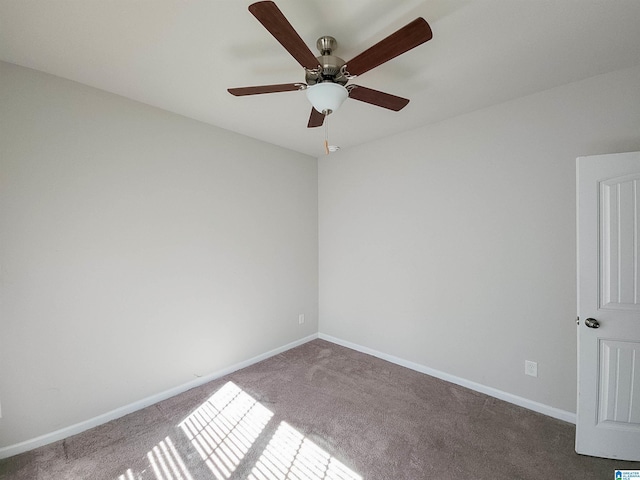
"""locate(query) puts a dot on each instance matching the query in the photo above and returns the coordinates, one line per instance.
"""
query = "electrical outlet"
(530, 368)
(301, 319)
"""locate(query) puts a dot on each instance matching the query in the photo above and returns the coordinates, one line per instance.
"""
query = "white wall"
(139, 250)
(453, 246)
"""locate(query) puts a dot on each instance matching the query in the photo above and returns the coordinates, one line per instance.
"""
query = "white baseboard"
(492, 392)
(63, 433)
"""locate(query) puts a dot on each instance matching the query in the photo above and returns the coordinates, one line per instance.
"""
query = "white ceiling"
(182, 55)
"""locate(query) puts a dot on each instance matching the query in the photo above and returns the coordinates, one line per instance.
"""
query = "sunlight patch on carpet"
(291, 456)
(129, 475)
(224, 428)
(167, 463)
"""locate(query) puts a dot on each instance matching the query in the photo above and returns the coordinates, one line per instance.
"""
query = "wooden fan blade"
(316, 119)
(282, 87)
(380, 99)
(270, 16)
(408, 37)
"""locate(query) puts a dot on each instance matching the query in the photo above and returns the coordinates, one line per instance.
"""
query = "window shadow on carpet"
(224, 430)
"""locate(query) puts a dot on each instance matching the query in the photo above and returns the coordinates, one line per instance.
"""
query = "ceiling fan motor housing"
(330, 65)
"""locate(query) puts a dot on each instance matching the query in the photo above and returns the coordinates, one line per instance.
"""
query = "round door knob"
(592, 323)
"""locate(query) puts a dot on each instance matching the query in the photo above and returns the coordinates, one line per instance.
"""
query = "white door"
(608, 418)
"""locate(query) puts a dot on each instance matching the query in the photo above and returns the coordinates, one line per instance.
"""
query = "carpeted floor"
(321, 411)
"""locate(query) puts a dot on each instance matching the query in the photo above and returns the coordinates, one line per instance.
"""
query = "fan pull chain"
(326, 132)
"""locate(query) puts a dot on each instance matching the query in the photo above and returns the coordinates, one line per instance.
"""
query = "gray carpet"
(320, 411)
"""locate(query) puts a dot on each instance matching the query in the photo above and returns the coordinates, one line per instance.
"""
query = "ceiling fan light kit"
(326, 75)
(326, 97)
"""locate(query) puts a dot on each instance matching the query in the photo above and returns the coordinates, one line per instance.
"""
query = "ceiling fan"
(326, 75)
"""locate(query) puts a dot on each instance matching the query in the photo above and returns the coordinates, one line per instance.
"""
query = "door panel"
(608, 414)
(619, 243)
(619, 384)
